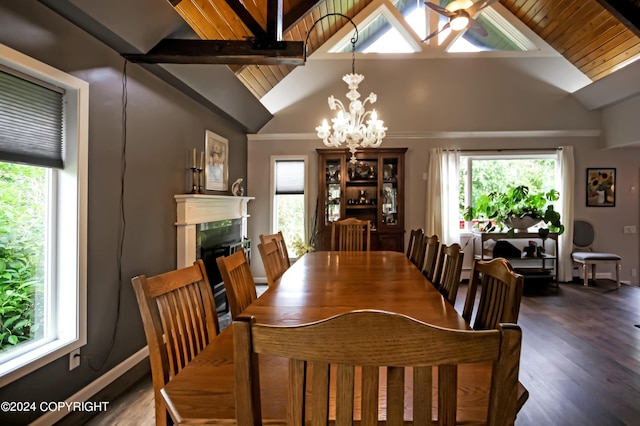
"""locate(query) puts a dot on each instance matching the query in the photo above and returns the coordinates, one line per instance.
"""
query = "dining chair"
(282, 245)
(431, 248)
(414, 235)
(362, 343)
(583, 236)
(351, 234)
(418, 251)
(238, 281)
(179, 319)
(448, 270)
(500, 296)
(272, 260)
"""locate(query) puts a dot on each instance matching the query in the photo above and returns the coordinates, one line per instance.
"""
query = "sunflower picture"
(601, 184)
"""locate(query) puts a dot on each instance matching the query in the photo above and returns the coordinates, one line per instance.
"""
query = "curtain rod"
(506, 149)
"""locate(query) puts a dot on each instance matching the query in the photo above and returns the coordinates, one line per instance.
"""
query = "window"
(482, 174)
(289, 182)
(45, 187)
(382, 32)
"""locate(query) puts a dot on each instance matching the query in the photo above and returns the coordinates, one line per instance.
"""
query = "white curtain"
(442, 212)
(565, 179)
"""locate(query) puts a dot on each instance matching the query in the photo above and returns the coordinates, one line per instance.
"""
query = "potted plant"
(516, 209)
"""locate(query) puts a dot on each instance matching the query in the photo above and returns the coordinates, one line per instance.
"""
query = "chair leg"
(618, 268)
(585, 271)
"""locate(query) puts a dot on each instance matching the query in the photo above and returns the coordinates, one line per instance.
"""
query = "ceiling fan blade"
(477, 7)
(435, 33)
(441, 10)
(477, 28)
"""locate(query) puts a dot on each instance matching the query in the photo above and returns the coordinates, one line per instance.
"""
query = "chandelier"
(354, 125)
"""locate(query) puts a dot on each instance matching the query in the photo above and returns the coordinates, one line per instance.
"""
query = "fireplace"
(215, 239)
(209, 226)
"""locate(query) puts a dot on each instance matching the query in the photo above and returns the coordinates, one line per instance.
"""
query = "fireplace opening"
(215, 239)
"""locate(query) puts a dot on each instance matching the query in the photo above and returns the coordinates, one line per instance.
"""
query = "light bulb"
(459, 23)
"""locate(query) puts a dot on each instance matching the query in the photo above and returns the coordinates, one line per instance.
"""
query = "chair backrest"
(418, 251)
(272, 260)
(179, 318)
(583, 235)
(448, 270)
(282, 245)
(373, 340)
(238, 281)
(431, 248)
(414, 236)
(500, 296)
(351, 234)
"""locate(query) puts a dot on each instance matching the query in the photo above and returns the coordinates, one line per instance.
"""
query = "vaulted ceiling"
(596, 36)
(237, 57)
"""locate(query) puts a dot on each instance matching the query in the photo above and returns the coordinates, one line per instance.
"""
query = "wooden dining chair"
(418, 252)
(282, 245)
(351, 234)
(179, 318)
(414, 235)
(500, 296)
(374, 340)
(238, 281)
(448, 270)
(272, 260)
(431, 248)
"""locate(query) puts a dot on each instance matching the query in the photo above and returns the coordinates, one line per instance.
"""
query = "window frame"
(69, 187)
(272, 189)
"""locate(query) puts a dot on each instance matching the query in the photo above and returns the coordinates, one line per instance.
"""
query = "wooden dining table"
(320, 285)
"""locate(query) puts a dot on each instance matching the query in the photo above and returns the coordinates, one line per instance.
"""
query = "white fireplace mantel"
(193, 209)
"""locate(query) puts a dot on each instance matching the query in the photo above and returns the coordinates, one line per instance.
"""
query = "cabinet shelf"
(362, 206)
(362, 183)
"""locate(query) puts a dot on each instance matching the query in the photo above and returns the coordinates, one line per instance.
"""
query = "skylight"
(383, 34)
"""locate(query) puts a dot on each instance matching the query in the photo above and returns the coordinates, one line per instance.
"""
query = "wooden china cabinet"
(372, 188)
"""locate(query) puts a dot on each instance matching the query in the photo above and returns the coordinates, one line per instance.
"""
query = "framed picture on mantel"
(601, 187)
(216, 171)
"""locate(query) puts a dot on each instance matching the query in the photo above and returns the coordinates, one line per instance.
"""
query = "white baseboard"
(94, 387)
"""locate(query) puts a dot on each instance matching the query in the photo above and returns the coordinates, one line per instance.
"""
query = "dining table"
(320, 285)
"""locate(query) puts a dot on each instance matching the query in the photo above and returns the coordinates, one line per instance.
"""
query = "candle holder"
(200, 181)
(195, 185)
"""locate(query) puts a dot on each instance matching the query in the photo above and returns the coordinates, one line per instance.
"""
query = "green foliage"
(22, 230)
(498, 207)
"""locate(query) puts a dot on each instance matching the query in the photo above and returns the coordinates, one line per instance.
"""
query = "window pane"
(496, 175)
(23, 192)
(290, 216)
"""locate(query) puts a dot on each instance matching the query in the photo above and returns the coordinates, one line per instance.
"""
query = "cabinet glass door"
(389, 192)
(333, 191)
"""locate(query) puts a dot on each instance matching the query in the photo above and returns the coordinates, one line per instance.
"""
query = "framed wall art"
(216, 171)
(601, 187)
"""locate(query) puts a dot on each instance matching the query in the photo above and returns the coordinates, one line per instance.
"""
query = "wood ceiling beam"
(177, 51)
(627, 11)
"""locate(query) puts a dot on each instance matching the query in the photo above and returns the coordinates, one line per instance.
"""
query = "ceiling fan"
(460, 14)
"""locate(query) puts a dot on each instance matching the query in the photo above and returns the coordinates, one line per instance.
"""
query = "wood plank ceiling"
(594, 35)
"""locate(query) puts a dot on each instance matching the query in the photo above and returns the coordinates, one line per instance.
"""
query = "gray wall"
(162, 125)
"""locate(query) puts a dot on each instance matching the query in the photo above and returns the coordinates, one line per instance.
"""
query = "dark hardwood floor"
(580, 360)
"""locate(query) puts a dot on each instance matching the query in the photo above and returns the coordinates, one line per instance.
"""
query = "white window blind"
(289, 177)
(30, 122)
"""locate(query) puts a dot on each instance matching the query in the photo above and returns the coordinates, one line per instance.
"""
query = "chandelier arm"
(354, 39)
